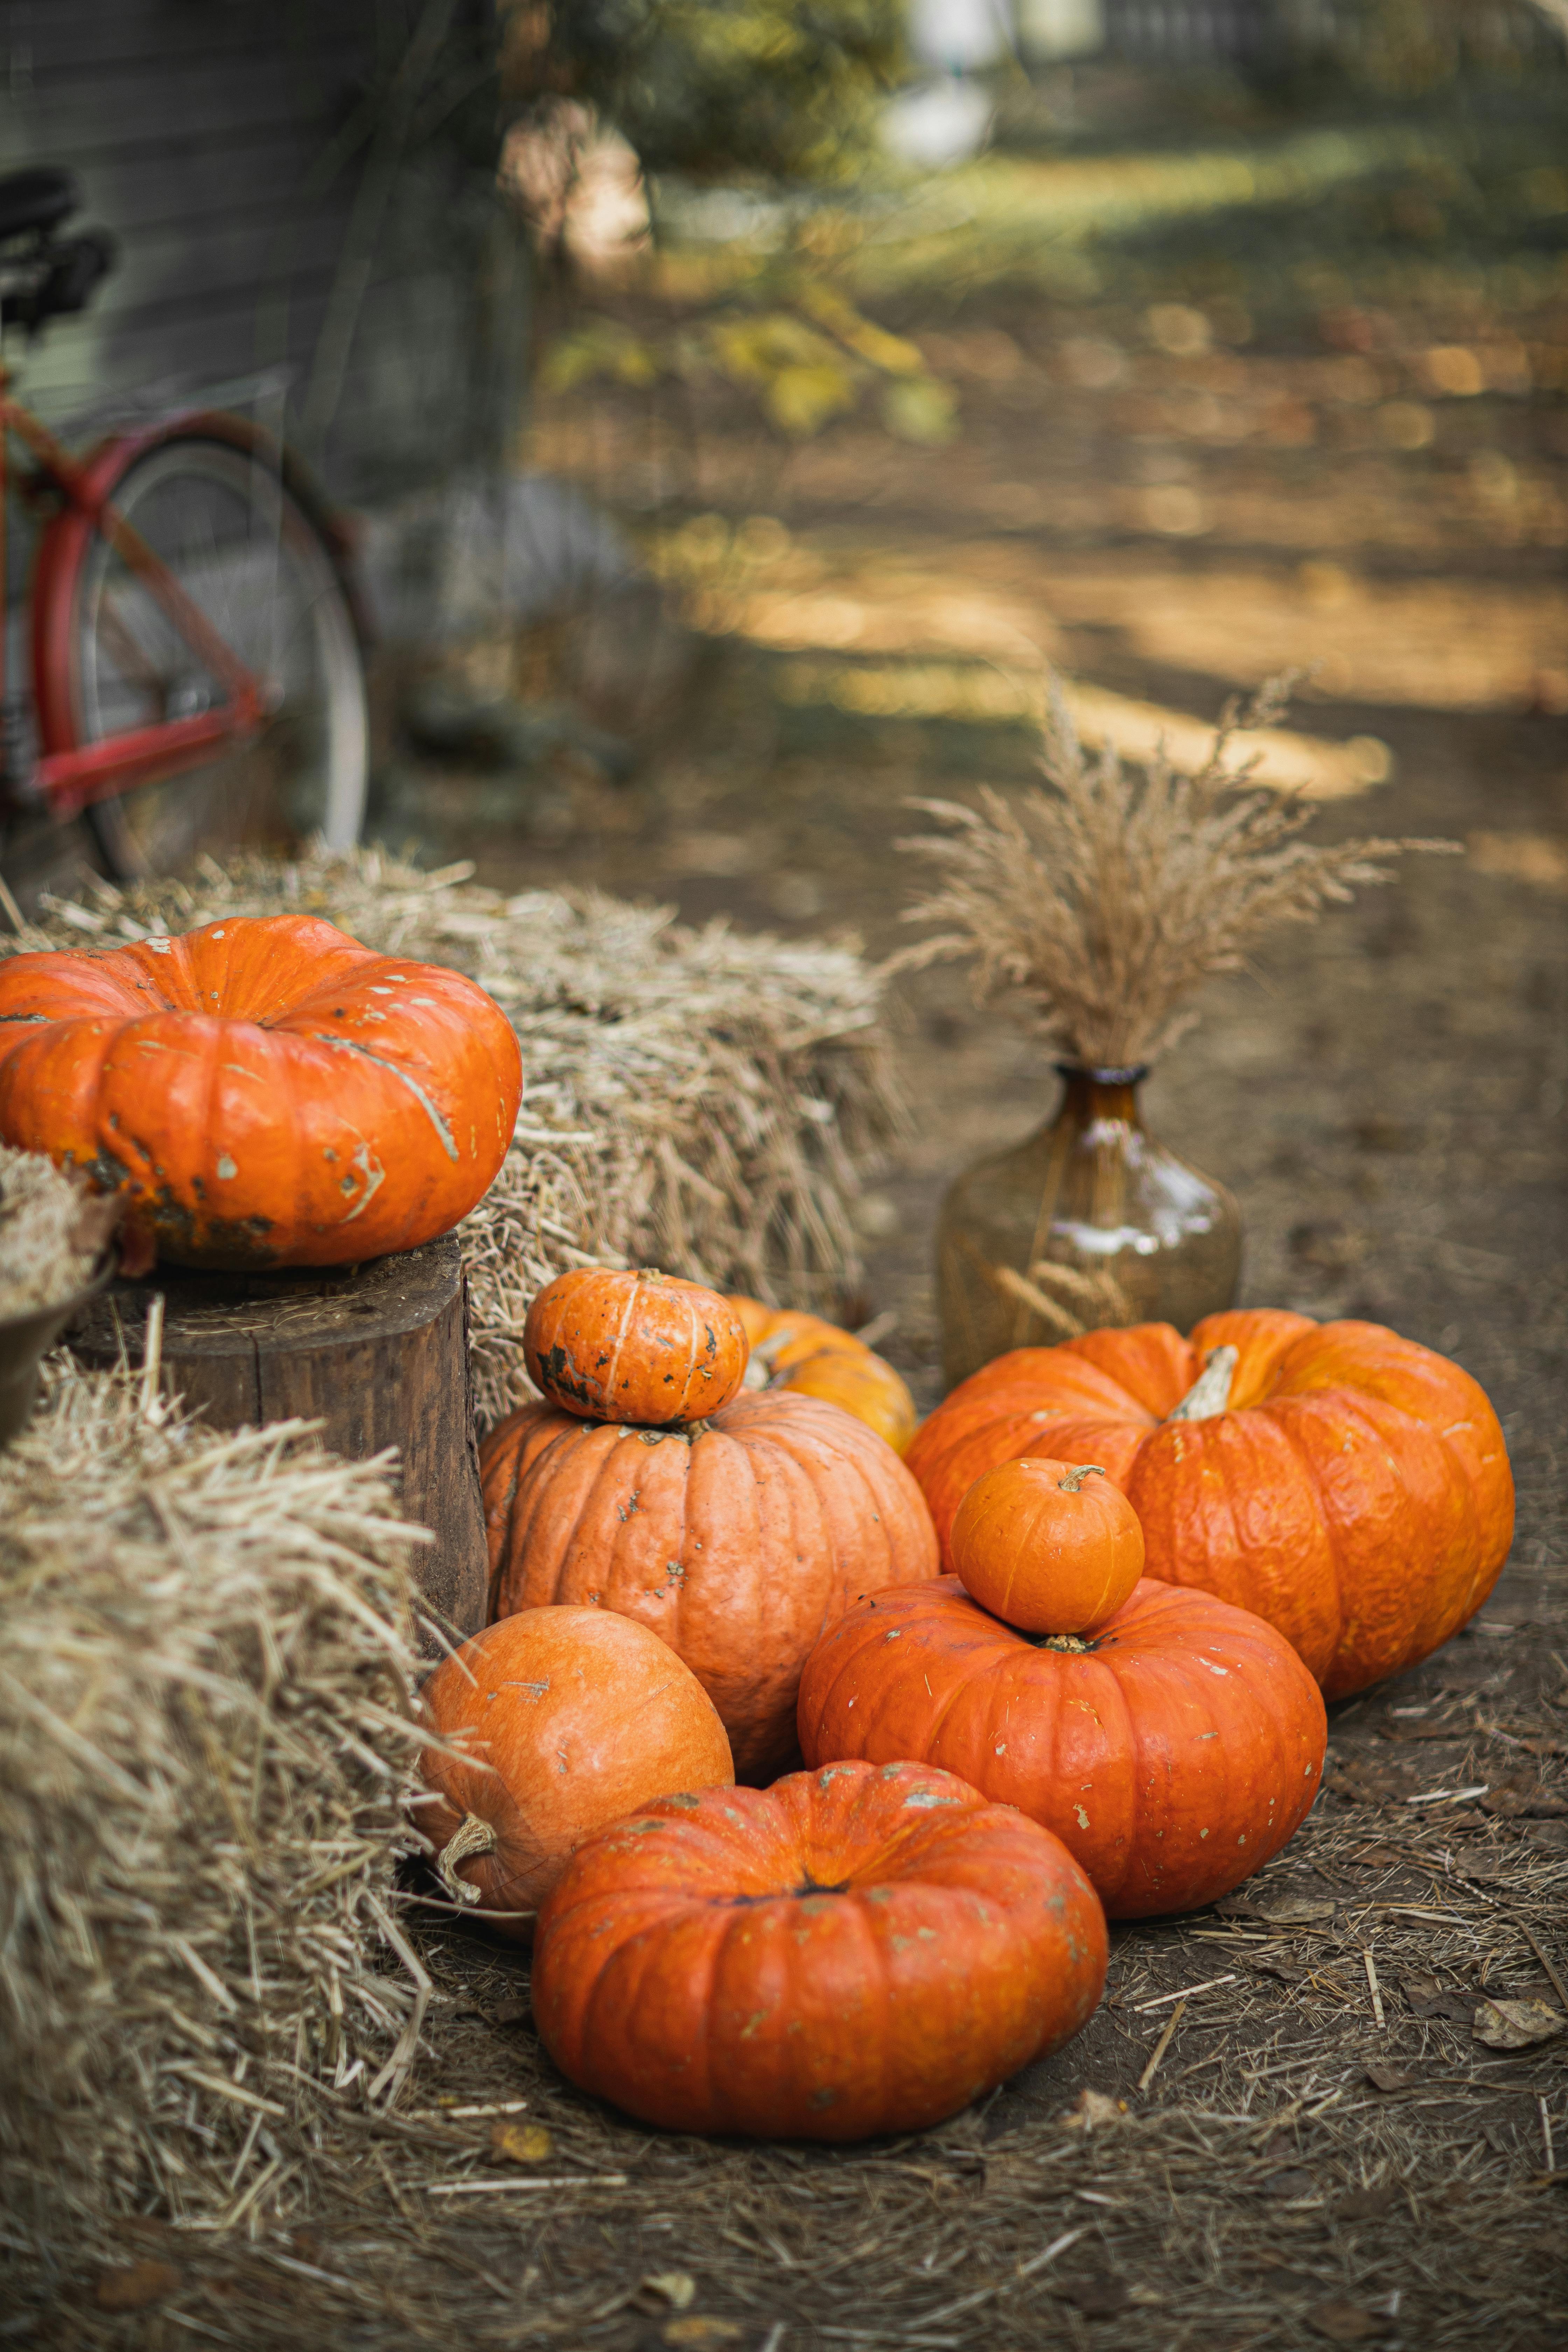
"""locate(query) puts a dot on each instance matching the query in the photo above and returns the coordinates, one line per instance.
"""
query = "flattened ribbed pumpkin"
(264, 1091)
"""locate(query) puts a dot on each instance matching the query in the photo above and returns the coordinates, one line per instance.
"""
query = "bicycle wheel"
(247, 553)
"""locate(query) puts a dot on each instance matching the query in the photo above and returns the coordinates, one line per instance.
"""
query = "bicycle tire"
(216, 505)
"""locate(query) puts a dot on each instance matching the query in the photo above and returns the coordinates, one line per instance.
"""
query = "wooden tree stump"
(377, 1353)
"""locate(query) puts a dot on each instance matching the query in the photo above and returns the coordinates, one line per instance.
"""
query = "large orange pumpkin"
(264, 1091)
(565, 1718)
(736, 1540)
(850, 1951)
(642, 1347)
(815, 1357)
(1349, 1485)
(1172, 1754)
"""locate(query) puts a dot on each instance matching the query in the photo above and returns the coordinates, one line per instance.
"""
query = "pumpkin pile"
(1349, 1485)
(733, 1525)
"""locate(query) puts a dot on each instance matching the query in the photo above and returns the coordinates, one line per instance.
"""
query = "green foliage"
(795, 343)
(783, 88)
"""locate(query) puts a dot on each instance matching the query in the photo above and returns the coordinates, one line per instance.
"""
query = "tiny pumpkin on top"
(1049, 1546)
(639, 1347)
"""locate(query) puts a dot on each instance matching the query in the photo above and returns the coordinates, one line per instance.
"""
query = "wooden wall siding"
(226, 144)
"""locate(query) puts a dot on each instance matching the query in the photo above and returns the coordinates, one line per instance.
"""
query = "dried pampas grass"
(698, 1098)
(204, 1693)
(1108, 897)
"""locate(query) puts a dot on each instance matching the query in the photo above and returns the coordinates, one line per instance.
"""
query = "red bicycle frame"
(69, 774)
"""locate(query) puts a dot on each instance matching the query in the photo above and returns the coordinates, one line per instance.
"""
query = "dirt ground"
(1334, 434)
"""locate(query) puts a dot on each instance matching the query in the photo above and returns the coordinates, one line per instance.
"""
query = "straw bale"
(204, 1687)
(699, 1099)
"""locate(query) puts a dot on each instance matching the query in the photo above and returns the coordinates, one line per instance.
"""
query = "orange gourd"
(645, 1347)
(566, 1718)
(1050, 1547)
(264, 1091)
(848, 1952)
(1350, 1487)
(1172, 1754)
(736, 1540)
(815, 1357)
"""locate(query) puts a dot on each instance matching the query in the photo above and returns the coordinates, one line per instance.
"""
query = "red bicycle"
(196, 673)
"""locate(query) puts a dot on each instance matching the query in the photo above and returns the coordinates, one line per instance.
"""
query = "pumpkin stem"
(1078, 1474)
(470, 1836)
(1210, 1393)
(1074, 1644)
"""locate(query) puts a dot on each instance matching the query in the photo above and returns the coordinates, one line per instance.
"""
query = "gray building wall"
(303, 183)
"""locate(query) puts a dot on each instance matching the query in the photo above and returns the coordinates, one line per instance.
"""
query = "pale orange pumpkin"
(736, 1540)
(566, 1719)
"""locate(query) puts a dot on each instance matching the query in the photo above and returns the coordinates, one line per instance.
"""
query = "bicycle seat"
(35, 200)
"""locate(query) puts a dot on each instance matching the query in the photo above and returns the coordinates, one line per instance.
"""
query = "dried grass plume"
(1108, 897)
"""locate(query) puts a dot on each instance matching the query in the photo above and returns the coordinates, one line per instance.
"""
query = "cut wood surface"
(377, 1354)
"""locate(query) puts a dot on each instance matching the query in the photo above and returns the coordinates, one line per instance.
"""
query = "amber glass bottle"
(1088, 1222)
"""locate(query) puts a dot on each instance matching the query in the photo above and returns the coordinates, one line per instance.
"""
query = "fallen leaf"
(1517, 2024)
(1098, 2298)
(699, 2331)
(511, 2013)
(1427, 1998)
(1345, 2323)
(1524, 1804)
(677, 2288)
(522, 2143)
(1366, 2204)
(1296, 1910)
(136, 2288)
(1092, 2110)
(1385, 2077)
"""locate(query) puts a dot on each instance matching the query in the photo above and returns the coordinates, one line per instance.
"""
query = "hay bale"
(204, 1692)
(698, 1098)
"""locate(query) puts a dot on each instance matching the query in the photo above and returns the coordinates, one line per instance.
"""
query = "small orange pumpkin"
(815, 1357)
(848, 1952)
(641, 1348)
(566, 1718)
(264, 1091)
(1049, 1546)
(736, 1539)
(1173, 1753)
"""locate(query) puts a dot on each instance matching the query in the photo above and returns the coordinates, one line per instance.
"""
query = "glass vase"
(1088, 1222)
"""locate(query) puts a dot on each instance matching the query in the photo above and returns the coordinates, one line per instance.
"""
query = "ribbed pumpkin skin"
(572, 1718)
(1171, 1759)
(266, 1091)
(640, 1347)
(736, 1540)
(1356, 1494)
(850, 1951)
(815, 1357)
